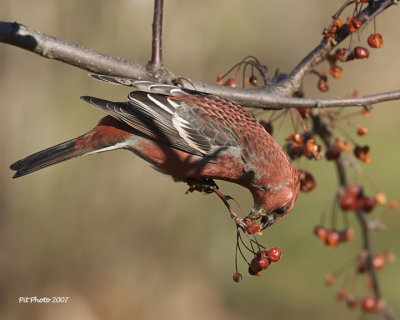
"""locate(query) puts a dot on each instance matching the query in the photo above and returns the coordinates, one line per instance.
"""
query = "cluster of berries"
(332, 237)
(261, 261)
(303, 144)
(354, 199)
(367, 303)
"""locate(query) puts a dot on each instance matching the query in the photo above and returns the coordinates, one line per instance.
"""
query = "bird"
(193, 136)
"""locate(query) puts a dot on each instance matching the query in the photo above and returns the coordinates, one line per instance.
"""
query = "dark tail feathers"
(47, 157)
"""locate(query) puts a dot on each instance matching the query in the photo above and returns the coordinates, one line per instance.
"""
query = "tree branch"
(321, 129)
(293, 81)
(94, 61)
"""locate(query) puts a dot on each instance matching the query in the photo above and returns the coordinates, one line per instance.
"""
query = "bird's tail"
(48, 157)
(109, 134)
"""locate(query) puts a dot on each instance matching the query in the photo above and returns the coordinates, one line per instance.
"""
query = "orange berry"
(362, 131)
(353, 24)
(375, 40)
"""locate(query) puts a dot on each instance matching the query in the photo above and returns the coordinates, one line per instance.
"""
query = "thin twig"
(156, 48)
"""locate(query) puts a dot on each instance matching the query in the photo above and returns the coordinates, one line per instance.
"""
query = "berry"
(353, 24)
(351, 302)
(355, 190)
(348, 202)
(390, 256)
(254, 273)
(237, 277)
(336, 72)
(362, 131)
(332, 238)
(361, 53)
(378, 261)
(366, 204)
(307, 181)
(380, 198)
(375, 40)
(368, 304)
(321, 232)
(253, 80)
(232, 82)
(329, 279)
(274, 254)
(340, 55)
(259, 263)
(251, 226)
(343, 145)
(333, 153)
(362, 153)
(294, 151)
(346, 235)
(322, 86)
(340, 295)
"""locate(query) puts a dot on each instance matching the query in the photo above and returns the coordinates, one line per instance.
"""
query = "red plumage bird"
(190, 135)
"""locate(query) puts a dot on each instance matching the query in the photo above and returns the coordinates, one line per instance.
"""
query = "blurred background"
(123, 241)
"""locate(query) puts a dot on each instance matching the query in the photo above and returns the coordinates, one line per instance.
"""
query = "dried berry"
(307, 181)
(251, 226)
(375, 40)
(237, 277)
(333, 153)
(353, 24)
(336, 72)
(362, 153)
(321, 232)
(361, 53)
(259, 263)
(351, 302)
(341, 55)
(322, 86)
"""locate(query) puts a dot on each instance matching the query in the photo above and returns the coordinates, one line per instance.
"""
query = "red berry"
(232, 82)
(294, 151)
(274, 254)
(366, 204)
(322, 86)
(378, 261)
(368, 304)
(353, 24)
(375, 40)
(332, 238)
(237, 277)
(346, 235)
(348, 202)
(321, 232)
(355, 190)
(361, 53)
(259, 263)
(251, 226)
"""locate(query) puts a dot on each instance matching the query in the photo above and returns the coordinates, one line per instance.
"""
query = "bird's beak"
(267, 221)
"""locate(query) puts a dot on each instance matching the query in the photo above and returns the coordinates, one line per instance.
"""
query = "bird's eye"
(281, 210)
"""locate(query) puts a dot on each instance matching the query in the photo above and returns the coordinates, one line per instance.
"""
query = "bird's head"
(274, 203)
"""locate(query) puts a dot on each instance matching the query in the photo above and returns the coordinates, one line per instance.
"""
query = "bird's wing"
(191, 121)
